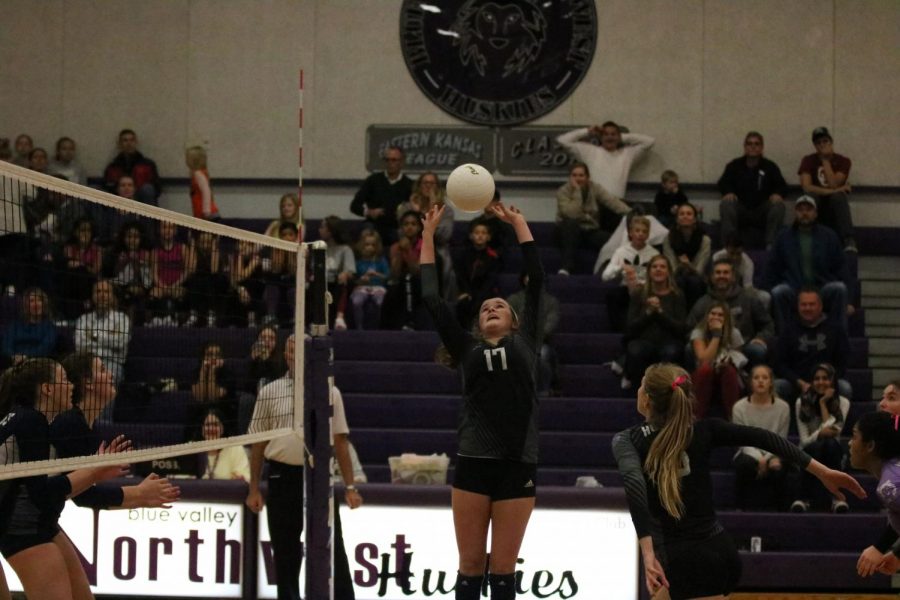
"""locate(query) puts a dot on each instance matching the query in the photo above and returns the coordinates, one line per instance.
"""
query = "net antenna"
(160, 390)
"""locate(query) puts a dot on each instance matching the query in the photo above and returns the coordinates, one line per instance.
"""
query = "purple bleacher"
(178, 342)
(142, 435)
(182, 370)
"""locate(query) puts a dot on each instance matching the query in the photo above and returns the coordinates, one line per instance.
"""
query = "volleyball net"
(121, 318)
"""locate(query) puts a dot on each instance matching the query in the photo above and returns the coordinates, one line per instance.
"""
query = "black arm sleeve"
(100, 496)
(725, 433)
(629, 464)
(888, 540)
(454, 337)
(32, 436)
(530, 321)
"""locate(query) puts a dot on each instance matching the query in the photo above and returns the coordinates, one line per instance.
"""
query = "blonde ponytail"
(670, 391)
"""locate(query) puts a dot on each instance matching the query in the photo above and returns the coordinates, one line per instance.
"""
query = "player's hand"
(730, 197)
(431, 219)
(118, 444)
(354, 498)
(509, 214)
(255, 500)
(654, 576)
(889, 565)
(157, 492)
(869, 561)
(835, 481)
(774, 463)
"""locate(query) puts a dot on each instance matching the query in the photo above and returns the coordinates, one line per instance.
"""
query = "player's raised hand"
(508, 214)
(431, 219)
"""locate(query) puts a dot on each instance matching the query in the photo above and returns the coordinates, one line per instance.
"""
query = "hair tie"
(678, 381)
(896, 421)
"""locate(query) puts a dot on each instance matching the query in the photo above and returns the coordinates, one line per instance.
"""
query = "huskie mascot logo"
(505, 36)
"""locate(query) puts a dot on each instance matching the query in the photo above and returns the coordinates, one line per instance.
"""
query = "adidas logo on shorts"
(529, 484)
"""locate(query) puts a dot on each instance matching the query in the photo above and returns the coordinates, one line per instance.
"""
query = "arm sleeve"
(614, 266)
(531, 319)
(100, 496)
(611, 202)
(724, 433)
(570, 141)
(629, 463)
(888, 540)
(739, 418)
(452, 334)
(32, 436)
(641, 142)
(444, 230)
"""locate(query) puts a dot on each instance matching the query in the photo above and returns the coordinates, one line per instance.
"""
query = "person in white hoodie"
(105, 331)
(628, 265)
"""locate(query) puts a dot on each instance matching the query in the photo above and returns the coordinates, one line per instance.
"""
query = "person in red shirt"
(140, 168)
(823, 175)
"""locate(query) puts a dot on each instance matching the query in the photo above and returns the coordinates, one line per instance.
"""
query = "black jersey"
(25, 439)
(500, 405)
(71, 436)
(631, 447)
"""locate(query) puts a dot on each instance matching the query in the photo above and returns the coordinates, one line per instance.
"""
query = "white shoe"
(625, 383)
(616, 367)
(800, 506)
(340, 324)
(563, 272)
(839, 507)
(156, 322)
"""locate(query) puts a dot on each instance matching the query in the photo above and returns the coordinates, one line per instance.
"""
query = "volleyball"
(470, 187)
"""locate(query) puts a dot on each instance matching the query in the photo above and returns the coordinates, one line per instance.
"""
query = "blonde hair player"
(665, 465)
(494, 484)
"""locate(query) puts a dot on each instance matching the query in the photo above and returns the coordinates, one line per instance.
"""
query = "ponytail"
(671, 398)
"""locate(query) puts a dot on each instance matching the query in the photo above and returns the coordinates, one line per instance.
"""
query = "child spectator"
(668, 198)
(33, 334)
(131, 270)
(476, 273)
(64, 163)
(105, 331)
(762, 481)
(688, 250)
(821, 414)
(288, 211)
(281, 280)
(372, 272)
(404, 293)
(203, 204)
(340, 267)
(247, 283)
(207, 286)
(171, 263)
(628, 265)
(655, 329)
(716, 344)
(83, 258)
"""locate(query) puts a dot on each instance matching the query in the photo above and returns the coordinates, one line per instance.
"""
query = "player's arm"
(255, 499)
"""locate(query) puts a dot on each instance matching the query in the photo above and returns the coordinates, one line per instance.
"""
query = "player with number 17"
(494, 482)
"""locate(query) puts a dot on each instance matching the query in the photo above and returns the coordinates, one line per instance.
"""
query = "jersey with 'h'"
(698, 522)
(500, 405)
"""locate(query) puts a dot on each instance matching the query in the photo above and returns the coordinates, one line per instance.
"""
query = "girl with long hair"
(494, 485)
(688, 249)
(716, 344)
(665, 465)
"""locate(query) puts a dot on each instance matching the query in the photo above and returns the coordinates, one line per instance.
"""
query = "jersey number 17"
(489, 355)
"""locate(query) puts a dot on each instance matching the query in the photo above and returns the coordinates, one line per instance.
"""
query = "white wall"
(696, 74)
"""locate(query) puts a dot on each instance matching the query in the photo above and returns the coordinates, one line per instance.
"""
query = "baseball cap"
(820, 132)
(805, 200)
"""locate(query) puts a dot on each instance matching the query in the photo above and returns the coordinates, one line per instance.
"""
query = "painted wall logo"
(498, 62)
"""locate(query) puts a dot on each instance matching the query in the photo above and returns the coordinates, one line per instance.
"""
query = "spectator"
(105, 332)
(823, 175)
(38, 160)
(610, 162)
(762, 481)
(655, 330)
(5, 152)
(808, 254)
(628, 265)
(427, 192)
(890, 398)
(821, 413)
(748, 314)
(404, 293)
(586, 215)
(742, 264)
(503, 236)
(281, 281)
(33, 334)
(476, 273)
(548, 319)
(288, 211)
(806, 342)
(214, 386)
(716, 347)
(131, 270)
(248, 284)
(23, 146)
(83, 259)
(381, 193)
(171, 263)
(229, 462)
(753, 190)
(64, 163)
(688, 248)
(340, 267)
(203, 204)
(141, 169)
(266, 362)
(372, 272)
(207, 286)
(668, 198)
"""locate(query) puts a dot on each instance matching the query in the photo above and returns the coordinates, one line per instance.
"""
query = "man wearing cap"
(807, 255)
(823, 175)
(753, 190)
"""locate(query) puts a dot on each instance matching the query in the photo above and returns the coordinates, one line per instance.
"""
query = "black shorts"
(27, 526)
(697, 568)
(498, 478)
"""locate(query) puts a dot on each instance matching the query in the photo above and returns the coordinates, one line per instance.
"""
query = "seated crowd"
(753, 351)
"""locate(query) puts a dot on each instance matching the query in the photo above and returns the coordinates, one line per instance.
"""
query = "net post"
(318, 413)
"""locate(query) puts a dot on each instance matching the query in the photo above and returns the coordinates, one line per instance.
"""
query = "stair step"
(881, 268)
(884, 346)
(881, 288)
(883, 332)
(883, 316)
(884, 362)
(892, 302)
(882, 377)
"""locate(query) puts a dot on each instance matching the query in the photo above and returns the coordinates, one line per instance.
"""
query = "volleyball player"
(71, 434)
(30, 538)
(665, 465)
(494, 484)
